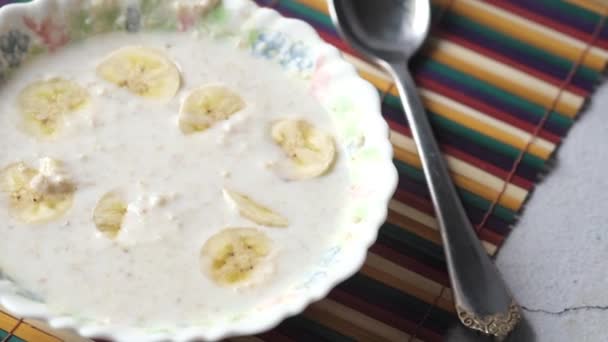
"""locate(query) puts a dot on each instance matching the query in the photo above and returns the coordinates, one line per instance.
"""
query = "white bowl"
(42, 26)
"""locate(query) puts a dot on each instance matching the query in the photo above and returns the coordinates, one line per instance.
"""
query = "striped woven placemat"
(502, 81)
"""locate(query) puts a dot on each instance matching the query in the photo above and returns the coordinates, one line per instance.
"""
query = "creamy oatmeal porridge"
(151, 178)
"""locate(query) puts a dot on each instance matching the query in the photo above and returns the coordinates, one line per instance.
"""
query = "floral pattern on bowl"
(43, 26)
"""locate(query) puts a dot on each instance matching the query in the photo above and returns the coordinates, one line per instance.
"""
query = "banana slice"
(110, 213)
(237, 257)
(254, 211)
(311, 151)
(44, 104)
(34, 196)
(143, 71)
(207, 105)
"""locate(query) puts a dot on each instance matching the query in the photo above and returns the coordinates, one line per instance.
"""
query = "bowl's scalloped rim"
(387, 185)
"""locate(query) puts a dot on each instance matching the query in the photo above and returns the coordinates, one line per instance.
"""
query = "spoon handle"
(482, 300)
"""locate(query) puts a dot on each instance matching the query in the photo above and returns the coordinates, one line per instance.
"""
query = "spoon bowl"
(390, 30)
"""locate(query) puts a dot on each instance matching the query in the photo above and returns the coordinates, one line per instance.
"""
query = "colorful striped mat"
(503, 81)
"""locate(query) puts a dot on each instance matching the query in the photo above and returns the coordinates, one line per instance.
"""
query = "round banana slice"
(254, 211)
(43, 104)
(207, 105)
(143, 71)
(32, 196)
(311, 151)
(237, 256)
(110, 213)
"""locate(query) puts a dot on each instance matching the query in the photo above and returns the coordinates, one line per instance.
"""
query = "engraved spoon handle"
(482, 300)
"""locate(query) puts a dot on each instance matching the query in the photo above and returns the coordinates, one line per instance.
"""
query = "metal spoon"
(389, 32)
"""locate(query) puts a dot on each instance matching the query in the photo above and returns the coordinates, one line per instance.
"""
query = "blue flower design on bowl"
(133, 22)
(293, 56)
(269, 45)
(14, 46)
(297, 57)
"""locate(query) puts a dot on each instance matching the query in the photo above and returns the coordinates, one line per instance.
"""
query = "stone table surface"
(556, 259)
